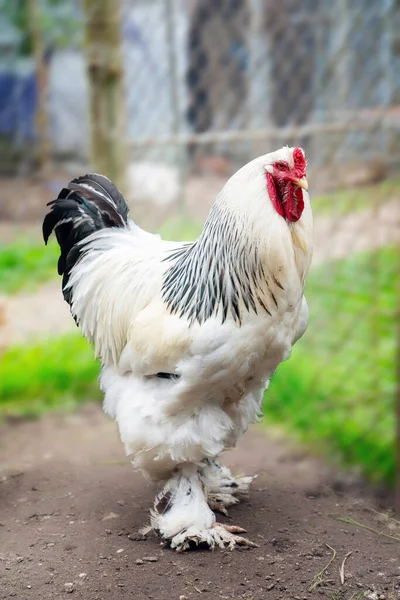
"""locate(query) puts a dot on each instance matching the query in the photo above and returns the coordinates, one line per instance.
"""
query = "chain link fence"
(209, 85)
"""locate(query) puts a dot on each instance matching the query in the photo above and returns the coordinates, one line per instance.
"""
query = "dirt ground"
(71, 506)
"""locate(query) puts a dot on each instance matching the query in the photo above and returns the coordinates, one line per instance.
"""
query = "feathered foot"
(224, 490)
(184, 520)
(220, 535)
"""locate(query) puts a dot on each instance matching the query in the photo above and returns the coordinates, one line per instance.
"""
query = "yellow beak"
(303, 183)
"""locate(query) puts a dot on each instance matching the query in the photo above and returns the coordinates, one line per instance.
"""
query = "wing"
(118, 275)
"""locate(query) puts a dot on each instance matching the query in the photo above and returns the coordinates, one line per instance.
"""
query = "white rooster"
(189, 334)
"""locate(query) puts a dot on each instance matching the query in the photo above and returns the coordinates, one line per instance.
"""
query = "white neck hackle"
(246, 254)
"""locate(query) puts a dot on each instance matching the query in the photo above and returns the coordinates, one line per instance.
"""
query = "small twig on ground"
(357, 596)
(341, 570)
(376, 531)
(318, 578)
(387, 517)
(190, 583)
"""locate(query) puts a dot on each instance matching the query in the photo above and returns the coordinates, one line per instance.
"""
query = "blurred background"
(168, 98)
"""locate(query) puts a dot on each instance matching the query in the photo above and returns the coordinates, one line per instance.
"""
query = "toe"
(232, 528)
(241, 541)
(218, 507)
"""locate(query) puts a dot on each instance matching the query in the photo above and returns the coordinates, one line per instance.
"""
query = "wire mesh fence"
(209, 85)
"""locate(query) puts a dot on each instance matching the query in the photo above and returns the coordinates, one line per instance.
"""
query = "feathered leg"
(182, 517)
(224, 490)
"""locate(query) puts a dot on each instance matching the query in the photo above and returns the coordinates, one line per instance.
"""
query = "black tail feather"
(88, 204)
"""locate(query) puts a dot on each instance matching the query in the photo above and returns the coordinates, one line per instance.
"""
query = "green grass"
(357, 198)
(53, 375)
(181, 229)
(24, 264)
(338, 389)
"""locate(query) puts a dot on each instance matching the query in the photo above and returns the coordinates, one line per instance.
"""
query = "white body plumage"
(221, 360)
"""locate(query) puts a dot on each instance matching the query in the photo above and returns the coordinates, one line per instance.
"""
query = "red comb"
(299, 158)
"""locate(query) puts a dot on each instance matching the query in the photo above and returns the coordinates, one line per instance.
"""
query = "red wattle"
(273, 194)
(294, 203)
(293, 207)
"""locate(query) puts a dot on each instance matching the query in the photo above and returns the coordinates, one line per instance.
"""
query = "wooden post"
(42, 121)
(107, 93)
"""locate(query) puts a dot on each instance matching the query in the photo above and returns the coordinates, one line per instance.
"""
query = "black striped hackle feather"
(219, 274)
(88, 204)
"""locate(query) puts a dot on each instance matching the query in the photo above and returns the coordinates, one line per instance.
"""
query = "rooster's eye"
(281, 166)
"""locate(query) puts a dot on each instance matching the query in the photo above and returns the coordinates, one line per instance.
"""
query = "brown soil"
(71, 505)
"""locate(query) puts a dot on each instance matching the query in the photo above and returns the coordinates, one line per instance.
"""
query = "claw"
(231, 528)
(241, 541)
(218, 507)
(219, 535)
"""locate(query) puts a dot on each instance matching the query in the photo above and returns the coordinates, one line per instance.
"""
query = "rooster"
(189, 334)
